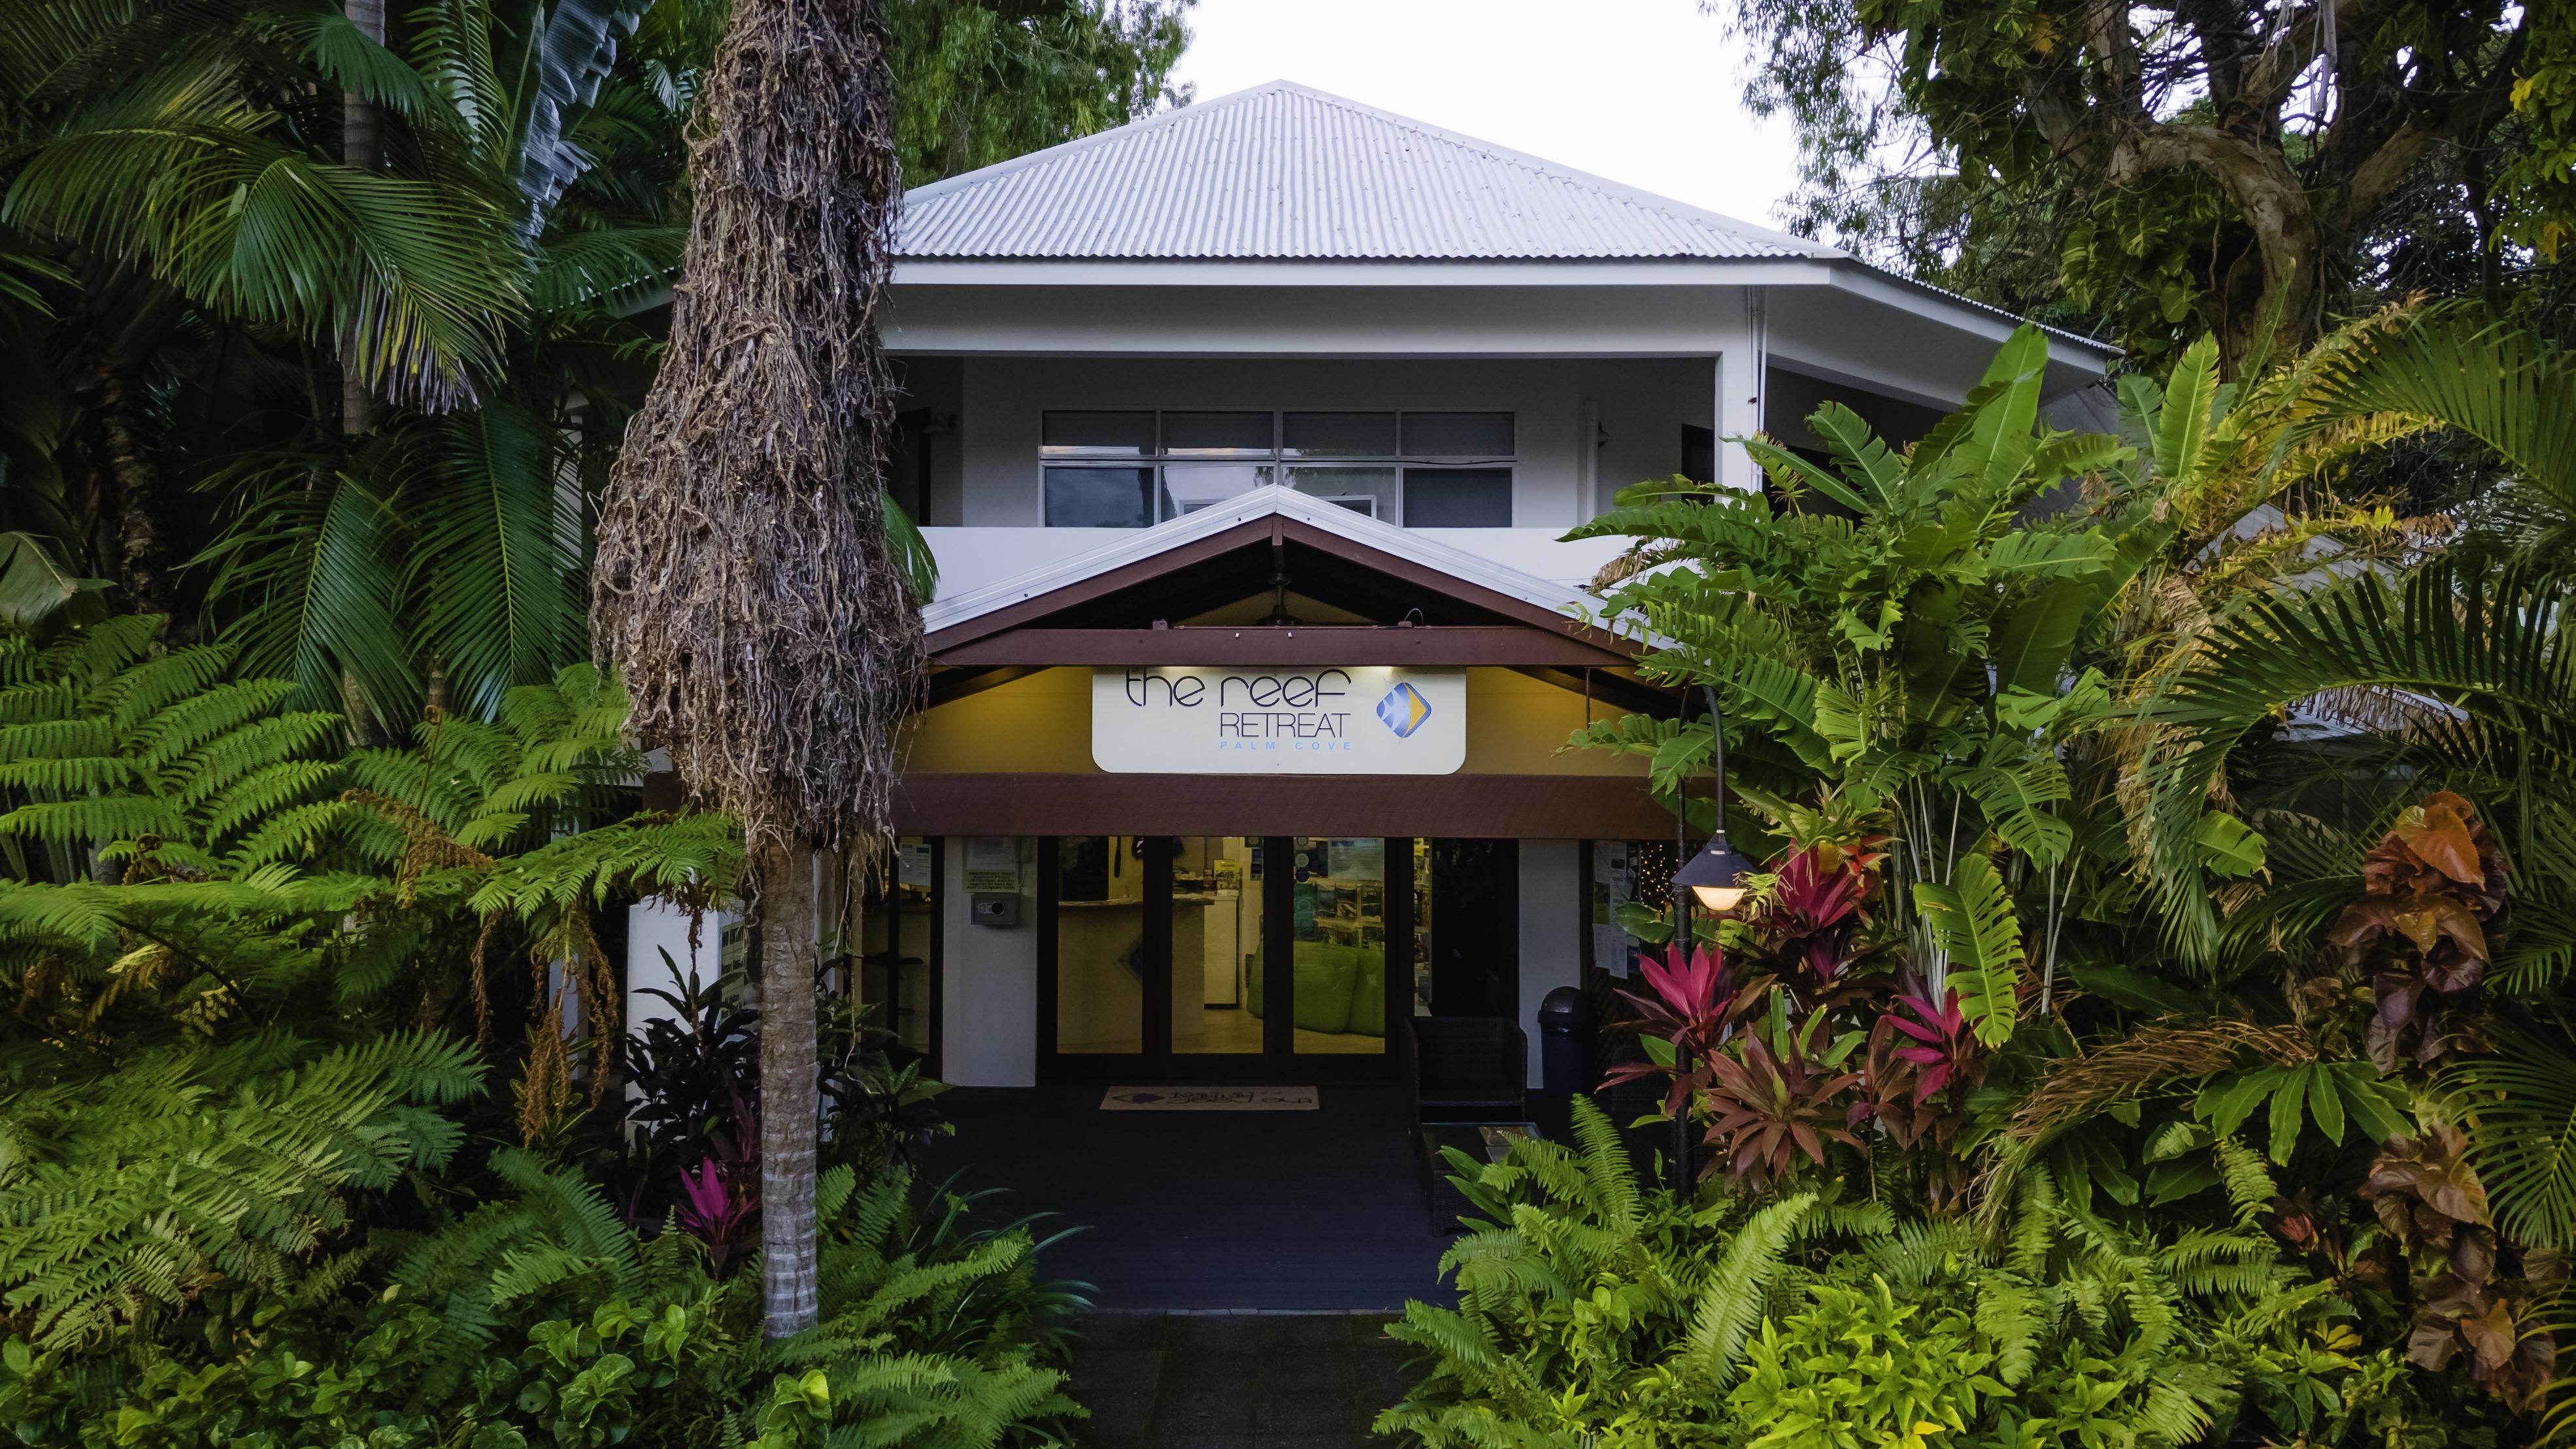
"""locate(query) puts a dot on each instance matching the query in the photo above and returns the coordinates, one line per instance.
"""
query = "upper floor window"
(1419, 469)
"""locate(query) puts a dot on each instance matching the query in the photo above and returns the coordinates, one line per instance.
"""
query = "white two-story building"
(1245, 436)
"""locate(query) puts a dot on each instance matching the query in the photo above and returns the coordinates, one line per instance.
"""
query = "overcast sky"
(1641, 91)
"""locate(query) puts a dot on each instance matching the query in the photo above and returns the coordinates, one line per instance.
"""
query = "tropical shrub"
(257, 987)
(2165, 857)
(541, 1319)
(1591, 1311)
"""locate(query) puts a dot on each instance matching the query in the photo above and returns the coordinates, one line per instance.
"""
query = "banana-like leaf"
(32, 585)
(2044, 554)
(2229, 847)
(1789, 467)
(1990, 439)
(574, 54)
(1863, 455)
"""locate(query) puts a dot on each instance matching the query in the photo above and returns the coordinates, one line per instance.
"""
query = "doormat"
(1208, 1099)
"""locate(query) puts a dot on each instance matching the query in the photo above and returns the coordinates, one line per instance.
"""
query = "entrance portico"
(1250, 787)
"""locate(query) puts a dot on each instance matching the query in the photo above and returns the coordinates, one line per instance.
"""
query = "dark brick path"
(1236, 1381)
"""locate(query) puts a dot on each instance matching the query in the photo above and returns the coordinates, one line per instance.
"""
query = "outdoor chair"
(1468, 1069)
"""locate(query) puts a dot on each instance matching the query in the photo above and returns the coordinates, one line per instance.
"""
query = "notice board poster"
(1614, 884)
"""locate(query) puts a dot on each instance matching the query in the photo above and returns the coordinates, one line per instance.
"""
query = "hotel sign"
(1368, 720)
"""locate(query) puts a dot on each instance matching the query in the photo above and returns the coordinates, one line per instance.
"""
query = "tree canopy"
(2167, 169)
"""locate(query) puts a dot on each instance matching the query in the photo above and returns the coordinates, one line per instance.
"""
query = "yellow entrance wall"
(1041, 724)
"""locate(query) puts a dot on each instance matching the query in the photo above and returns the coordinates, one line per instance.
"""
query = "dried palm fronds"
(2078, 1088)
(743, 580)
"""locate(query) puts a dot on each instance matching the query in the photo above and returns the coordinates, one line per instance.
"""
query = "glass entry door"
(1161, 957)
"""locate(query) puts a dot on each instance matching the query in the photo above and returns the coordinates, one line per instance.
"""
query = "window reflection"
(1337, 927)
(1216, 944)
(1099, 945)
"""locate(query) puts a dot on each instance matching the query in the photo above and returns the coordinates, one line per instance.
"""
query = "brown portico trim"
(1499, 807)
(1348, 645)
(1275, 533)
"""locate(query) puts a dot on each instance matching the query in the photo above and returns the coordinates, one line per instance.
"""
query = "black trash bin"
(1567, 1024)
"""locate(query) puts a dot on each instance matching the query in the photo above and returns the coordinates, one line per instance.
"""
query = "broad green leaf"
(2036, 551)
(1999, 442)
(2171, 1181)
(1860, 451)
(32, 585)
(2131, 988)
(2228, 1100)
(2288, 1111)
(2033, 642)
(2228, 846)
(2325, 1101)
(2379, 1107)
(1788, 466)
(2183, 427)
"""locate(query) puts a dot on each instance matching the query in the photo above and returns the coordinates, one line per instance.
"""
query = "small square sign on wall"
(992, 863)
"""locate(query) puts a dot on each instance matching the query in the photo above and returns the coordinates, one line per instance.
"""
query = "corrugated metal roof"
(1284, 172)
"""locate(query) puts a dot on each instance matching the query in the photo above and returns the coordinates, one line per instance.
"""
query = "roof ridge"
(1061, 150)
(1670, 209)
(1618, 191)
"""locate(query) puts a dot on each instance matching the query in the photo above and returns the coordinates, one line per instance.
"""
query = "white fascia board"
(1678, 272)
(1975, 318)
(1260, 503)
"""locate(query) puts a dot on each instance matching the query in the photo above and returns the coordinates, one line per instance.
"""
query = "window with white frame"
(1418, 469)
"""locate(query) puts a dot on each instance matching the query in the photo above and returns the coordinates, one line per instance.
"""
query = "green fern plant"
(1590, 1317)
(124, 1195)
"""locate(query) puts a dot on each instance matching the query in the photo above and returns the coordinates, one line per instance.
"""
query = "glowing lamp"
(1715, 876)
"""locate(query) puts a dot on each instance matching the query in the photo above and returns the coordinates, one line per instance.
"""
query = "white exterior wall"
(1552, 908)
(655, 927)
(1004, 397)
(989, 1015)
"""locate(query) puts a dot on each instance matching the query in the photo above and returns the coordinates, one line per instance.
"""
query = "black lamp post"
(1715, 878)
(1715, 875)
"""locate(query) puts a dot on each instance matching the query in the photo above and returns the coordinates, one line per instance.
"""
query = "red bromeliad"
(718, 1211)
(1694, 1003)
(1917, 1051)
(1813, 910)
(1764, 1110)
(1944, 1051)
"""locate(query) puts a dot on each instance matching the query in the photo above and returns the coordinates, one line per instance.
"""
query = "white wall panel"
(1552, 900)
(989, 1014)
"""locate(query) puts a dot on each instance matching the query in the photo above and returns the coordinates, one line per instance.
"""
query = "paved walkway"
(1236, 1381)
(1199, 1210)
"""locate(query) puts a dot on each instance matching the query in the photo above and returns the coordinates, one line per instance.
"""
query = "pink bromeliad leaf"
(706, 1203)
(1688, 986)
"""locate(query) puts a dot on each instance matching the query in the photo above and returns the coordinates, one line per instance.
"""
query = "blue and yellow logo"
(1404, 709)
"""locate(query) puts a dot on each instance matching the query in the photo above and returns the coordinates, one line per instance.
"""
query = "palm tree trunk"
(790, 1103)
(125, 501)
(134, 479)
(362, 145)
